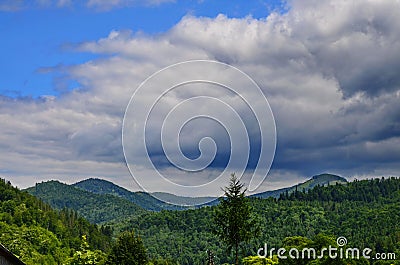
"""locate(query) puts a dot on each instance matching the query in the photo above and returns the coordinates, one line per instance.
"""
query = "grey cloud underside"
(329, 69)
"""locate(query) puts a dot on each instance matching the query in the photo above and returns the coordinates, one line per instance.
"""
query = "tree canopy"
(128, 250)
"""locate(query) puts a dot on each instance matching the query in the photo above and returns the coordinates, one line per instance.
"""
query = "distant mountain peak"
(93, 180)
(328, 176)
(321, 180)
(60, 195)
(143, 199)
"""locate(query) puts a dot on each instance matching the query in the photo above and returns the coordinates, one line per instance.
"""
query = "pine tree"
(233, 217)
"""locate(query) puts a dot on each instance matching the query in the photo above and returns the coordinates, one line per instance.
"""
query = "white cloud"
(329, 70)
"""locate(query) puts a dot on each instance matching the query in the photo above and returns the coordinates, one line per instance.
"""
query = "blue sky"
(329, 70)
(38, 36)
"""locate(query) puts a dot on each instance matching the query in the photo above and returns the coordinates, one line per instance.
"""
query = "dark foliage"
(128, 250)
(96, 208)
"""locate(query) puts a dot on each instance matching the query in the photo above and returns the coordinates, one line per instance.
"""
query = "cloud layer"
(98, 5)
(328, 68)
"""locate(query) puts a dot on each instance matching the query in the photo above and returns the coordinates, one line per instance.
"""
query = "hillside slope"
(37, 234)
(318, 180)
(148, 202)
(182, 200)
(143, 199)
(97, 208)
(366, 213)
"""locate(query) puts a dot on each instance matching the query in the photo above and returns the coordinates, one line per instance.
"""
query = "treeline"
(366, 191)
(366, 212)
(37, 234)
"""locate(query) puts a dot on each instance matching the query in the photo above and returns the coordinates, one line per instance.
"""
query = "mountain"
(38, 234)
(97, 208)
(143, 199)
(318, 180)
(167, 200)
(181, 200)
(365, 212)
(86, 196)
(321, 180)
(101, 201)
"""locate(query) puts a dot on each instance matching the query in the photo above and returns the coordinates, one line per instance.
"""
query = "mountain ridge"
(140, 198)
(321, 180)
(122, 202)
(60, 195)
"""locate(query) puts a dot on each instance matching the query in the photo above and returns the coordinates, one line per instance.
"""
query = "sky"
(327, 72)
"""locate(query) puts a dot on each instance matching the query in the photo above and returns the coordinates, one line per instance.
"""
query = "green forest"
(37, 234)
(365, 212)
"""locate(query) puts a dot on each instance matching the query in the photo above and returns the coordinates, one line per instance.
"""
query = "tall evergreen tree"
(234, 220)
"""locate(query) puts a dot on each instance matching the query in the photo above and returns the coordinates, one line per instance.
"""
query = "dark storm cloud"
(330, 70)
(356, 42)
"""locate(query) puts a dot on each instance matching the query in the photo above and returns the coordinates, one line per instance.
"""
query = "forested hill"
(366, 212)
(318, 180)
(36, 233)
(367, 191)
(142, 199)
(117, 202)
(97, 208)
